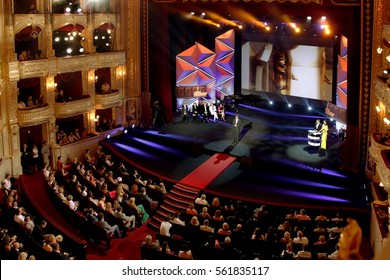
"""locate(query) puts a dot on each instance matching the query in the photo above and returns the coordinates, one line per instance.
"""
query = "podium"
(314, 137)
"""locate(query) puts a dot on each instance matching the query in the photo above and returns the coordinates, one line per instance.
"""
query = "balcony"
(380, 152)
(72, 108)
(108, 100)
(28, 117)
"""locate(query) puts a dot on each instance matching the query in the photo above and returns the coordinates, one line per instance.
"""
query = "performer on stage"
(184, 112)
(317, 125)
(221, 111)
(324, 137)
(213, 111)
(236, 128)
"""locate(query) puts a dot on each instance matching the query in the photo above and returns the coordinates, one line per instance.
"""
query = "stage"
(273, 162)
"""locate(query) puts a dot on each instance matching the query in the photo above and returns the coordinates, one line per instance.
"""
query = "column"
(9, 43)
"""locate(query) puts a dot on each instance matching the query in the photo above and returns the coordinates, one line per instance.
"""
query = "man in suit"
(317, 125)
(236, 129)
(108, 228)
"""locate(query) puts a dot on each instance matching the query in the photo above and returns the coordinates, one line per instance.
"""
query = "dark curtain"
(31, 135)
(71, 83)
(23, 6)
(31, 86)
(160, 80)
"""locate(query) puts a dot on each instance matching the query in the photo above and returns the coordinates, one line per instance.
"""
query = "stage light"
(203, 14)
(309, 108)
(192, 13)
(271, 102)
(108, 136)
(323, 18)
(133, 126)
(289, 105)
(125, 131)
(309, 18)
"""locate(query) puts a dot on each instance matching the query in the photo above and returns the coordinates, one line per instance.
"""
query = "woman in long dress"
(324, 136)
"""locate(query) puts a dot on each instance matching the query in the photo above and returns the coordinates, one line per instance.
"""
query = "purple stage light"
(134, 150)
(158, 146)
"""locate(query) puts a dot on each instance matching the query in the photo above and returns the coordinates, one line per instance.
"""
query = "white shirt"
(165, 227)
(303, 240)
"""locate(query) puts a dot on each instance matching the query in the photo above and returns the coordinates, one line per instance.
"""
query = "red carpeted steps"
(178, 199)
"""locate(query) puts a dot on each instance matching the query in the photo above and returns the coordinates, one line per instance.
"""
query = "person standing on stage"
(221, 111)
(317, 125)
(324, 137)
(236, 128)
(195, 109)
(184, 112)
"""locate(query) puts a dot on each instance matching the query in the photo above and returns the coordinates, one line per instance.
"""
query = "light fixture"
(81, 50)
(378, 109)
(125, 131)
(108, 136)
(69, 50)
(388, 58)
(309, 108)
(289, 105)
(379, 50)
(271, 102)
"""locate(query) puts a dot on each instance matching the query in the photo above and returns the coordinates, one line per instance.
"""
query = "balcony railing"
(72, 108)
(380, 152)
(28, 117)
(107, 100)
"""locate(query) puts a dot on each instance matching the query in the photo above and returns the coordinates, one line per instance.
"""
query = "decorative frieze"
(21, 21)
(102, 18)
(60, 20)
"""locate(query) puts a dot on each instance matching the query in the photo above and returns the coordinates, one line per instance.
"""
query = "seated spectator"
(337, 218)
(21, 105)
(142, 214)
(215, 205)
(104, 125)
(152, 204)
(165, 248)
(202, 200)
(218, 217)
(71, 137)
(302, 216)
(73, 205)
(23, 56)
(106, 88)
(165, 226)
(206, 227)
(334, 254)
(288, 254)
(128, 221)
(304, 254)
(286, 226)
(110, 229)
(185, 252)
(30, 102)
(229, 251)
(176, 219)
(205, 213)
(301, 239)
(224, 230)
(150, 244)
(257, 235)
(194, 223)
(321, 217)
(286, 238)
(191, 210)
(60, 98)
(321, 240)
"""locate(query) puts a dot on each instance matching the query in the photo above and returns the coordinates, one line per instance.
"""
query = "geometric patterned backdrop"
(342, 70)
(199, 66)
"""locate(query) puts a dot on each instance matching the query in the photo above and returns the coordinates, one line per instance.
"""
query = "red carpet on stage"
(202, 176)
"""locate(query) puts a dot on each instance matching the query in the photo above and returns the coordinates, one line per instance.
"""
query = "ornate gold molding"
(256, 1)
(60, 20)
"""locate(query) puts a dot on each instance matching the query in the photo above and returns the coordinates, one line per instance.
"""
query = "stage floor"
(274, 162)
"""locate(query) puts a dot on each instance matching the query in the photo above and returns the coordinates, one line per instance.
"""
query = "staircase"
(177, 199)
